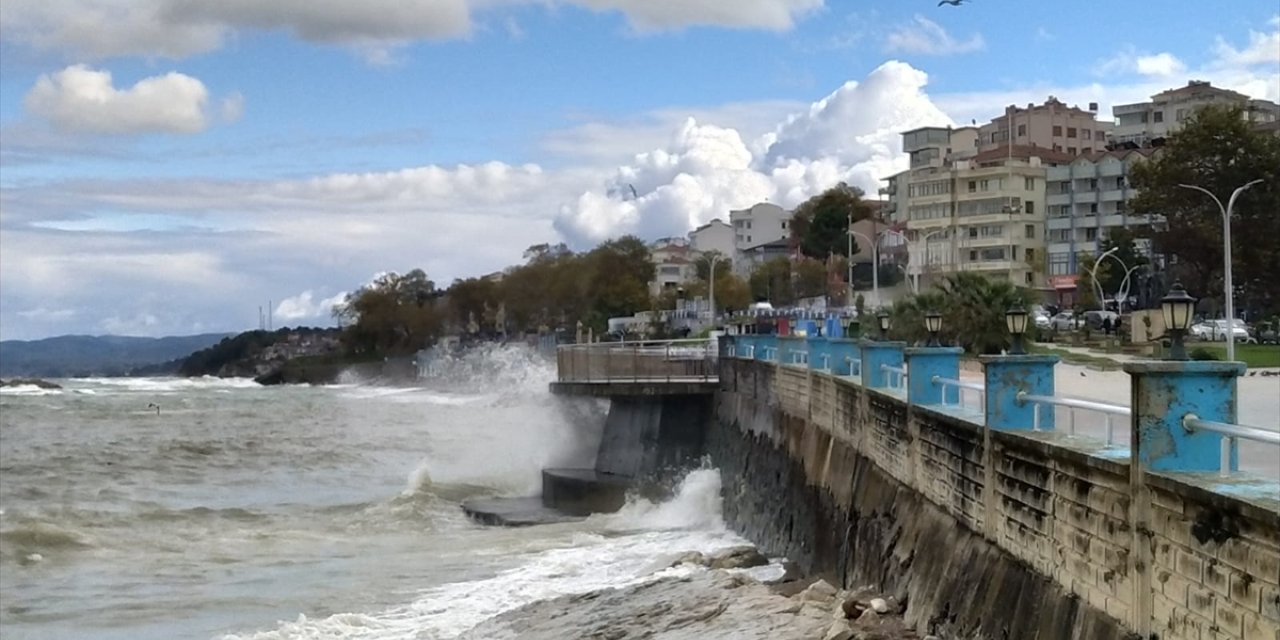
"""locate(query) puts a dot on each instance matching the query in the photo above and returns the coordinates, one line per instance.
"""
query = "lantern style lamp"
(886, 322)
(933, 324)
(1015, 320)
(1177, 307)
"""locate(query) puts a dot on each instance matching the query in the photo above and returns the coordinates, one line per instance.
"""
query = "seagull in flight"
(954, 3)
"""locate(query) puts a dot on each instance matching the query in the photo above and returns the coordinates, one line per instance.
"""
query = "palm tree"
(972, 306)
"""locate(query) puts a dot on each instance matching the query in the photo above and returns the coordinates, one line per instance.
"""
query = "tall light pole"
(875, 264)
(915, 285)
(715, 257)
(1227, 294)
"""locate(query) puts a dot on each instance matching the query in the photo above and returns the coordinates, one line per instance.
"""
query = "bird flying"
(954, 3)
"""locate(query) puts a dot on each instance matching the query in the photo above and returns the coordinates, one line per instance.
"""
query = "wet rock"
(790, 573)
(820, 591)
(839, 630)
(743, 557)
(879, 605)
(714, 605)
(693, 557)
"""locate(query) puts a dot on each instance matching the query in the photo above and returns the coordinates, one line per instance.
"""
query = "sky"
(170, 166)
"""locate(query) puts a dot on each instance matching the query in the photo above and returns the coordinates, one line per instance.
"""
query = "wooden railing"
(638, 361)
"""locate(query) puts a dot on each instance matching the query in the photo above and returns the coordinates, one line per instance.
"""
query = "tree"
(1086, 291)
(972, 307)
(820, 224)
(393, 315)
(618, 274)
(472, 298)
(1219, 150)
(771, 281)
(810, 277)
(702, 264)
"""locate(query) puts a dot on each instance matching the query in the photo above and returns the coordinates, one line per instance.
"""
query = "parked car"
(1266, 333)
(1201, 331)
(1218, 330)
(1065, 321)
(1041, 320)
(1095, 318)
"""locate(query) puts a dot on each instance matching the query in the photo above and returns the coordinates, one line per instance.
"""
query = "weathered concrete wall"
(985, 533)
(645, 436)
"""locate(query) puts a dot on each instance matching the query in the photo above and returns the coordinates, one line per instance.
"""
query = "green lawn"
(1071, 357)
(1254, 355)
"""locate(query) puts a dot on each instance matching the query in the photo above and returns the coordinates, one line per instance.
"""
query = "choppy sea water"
(238, 511)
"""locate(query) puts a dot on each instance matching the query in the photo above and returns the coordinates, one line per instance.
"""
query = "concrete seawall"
(987, 533)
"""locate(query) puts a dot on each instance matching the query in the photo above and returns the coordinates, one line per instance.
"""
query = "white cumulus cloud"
(1131, 61)
(926, 37)
(851, 135)
(81, 99)
(305, 306)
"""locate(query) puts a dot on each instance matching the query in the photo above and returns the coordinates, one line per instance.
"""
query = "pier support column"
(924, 363)
(1164, 393)
(1008, 376)
(876, 354)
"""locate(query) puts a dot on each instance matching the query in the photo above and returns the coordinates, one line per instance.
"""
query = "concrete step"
(514, 512)
(582, 492)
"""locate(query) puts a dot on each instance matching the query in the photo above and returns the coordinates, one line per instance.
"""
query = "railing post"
(818, 351)
(1006, 377)
(842, 352)
(924, 363)
(875, 354)
(1164, 392)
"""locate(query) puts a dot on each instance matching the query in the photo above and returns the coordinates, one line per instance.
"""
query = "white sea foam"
(587, 561)
(28, 390)
(164, 385)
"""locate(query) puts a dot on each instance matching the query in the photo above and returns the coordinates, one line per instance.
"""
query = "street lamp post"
(875, 264)
(715, 257)
(1227, 293)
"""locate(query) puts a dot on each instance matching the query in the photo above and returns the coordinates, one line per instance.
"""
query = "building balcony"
(929, 223)
(1057, 199)
(1086, 197)
(989, 265)
(1113, 195)
(991, 241)
(1111, 169)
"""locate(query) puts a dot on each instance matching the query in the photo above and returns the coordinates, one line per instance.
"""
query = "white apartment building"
(1148, 123)
(673, 264)
(974, 211)
(714, 236)
(1085, 201)
(756, 226)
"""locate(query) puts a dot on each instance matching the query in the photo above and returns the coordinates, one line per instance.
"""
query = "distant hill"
(71, 356)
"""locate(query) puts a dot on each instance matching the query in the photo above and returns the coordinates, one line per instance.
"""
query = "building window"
(1090, 234)
(1057, 147)
(748, 224)
(1057, 131)
(1158, 116)
(988, 255)
(1087, 133)
(1121, 206)
(1093, 186)
(1030, 231)
(784, 224)
(748, 239)
(1059, 235)
(1031, 255)
(1099, 136)
(973, 186)
(1093, 208)
(1031, 206)
(1022, 130)
(1029, 184)
(1071, 150)
(1071, 132)
(1028, 277)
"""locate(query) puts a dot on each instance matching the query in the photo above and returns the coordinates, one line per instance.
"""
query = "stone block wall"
(989, 534)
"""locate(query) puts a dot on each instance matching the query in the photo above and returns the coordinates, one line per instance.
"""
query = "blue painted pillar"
(764, 346)
(842, 351)
(875, 354)
(1006, 377)
(1164, 392)
(926, 362)
(833, 328)
(787, 347)
(818, 348)
(742, 345)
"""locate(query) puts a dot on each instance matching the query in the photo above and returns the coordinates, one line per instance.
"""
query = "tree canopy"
(820, 224)
(1218, 150)
(973, 312)
(393, 315)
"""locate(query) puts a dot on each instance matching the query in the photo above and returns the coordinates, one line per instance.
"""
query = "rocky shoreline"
(709, 598)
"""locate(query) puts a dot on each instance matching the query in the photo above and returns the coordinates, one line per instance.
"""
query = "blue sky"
(166, 166)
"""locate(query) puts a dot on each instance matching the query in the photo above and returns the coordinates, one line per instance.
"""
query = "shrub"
(1201, 353)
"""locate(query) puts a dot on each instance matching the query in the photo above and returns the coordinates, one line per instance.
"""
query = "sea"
(163, 508)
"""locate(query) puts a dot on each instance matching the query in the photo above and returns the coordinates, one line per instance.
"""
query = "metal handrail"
(1107, 409)
(854, 363)
(1233, 432)
(960, 386)
(901, 372)
(799, 357)
(638, 360)
(826, 362)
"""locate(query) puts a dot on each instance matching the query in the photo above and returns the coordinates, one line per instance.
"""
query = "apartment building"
(1148, 123)
(1085, 201)
(755, 227)
(1061, 128)
(673, 264)
(715, 236)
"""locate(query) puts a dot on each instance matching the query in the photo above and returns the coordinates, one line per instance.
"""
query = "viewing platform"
(639, 368)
